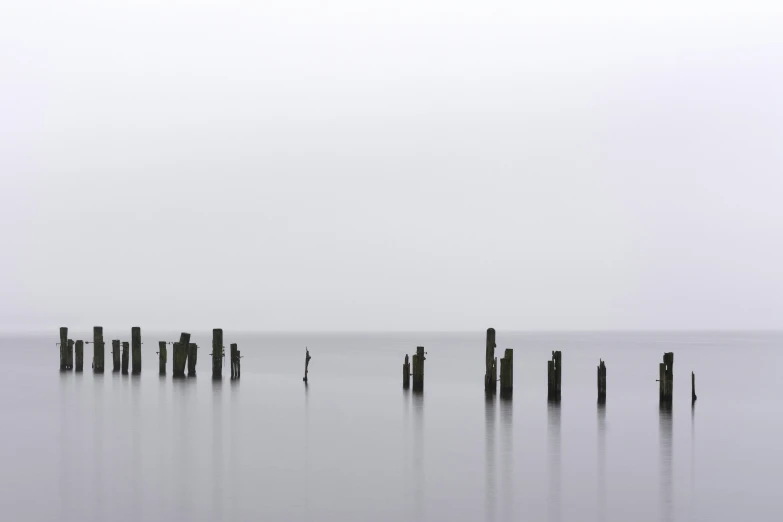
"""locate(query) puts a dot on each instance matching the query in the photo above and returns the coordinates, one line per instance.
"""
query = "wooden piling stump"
(115, 355)
(239, 364)
(69, 355)
(192, 359)
(136, 350)
(601, 381)
(666, 377)
(125, 357)
(307, 363)
(162, 357)
(507, 374)
(79, 356)
(693, 387)
(217, 353)
(98, 349)
(490, 371)
(418, 369)
(63, 346)
(554, 376)
(406, 373)
(180, 355)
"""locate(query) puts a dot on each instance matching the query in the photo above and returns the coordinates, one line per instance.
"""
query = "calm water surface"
(353, 446)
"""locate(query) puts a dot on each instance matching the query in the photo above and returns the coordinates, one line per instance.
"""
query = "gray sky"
(391, 165)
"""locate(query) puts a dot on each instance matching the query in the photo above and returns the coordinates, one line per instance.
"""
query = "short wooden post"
(233, 360)
(63, 346)
(217, 353)
(693, 387)
(125, 357)
(507, 374)
(239, 364)
(97, 345)
(69, 355)
(192, 359)
(601, 381)
(180, 355)
(307, 363)
(666, 377)
(406, 373)
(490, 371)
(418, 369)
(115, 355)
(554, 376)
(79, 356)
(136, 350)
(162, 357)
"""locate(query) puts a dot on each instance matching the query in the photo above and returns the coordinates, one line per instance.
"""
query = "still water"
(353, 446)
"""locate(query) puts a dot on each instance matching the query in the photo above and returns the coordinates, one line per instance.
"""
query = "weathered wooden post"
(307, 363)
(406, 373)
(217, 353)
(79, 356)
(115, 355)
(180, 355)
(490, 372)
(507, 374)
(192, 358)
(162, 357)
(554, 376)
(125, 357)
(69, 355)
(97, 346)
(666, 377)
(136, 350)
(601, 381)
(693, 387)
(63, 346)
(233, 360)
(239, 364)
(418, 369)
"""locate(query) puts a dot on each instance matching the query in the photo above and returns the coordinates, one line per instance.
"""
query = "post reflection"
(417, 398)
(553, 444)
(489, 456)
(217, 450)
(665, 453)
(601, 416)
(507, 458)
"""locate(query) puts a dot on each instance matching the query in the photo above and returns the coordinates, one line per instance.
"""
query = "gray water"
(353, 446)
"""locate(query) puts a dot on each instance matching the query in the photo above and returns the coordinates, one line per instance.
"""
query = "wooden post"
(192, 358)
(307, 363)
(136, 350)
(180, 355)
(115, 355)
(601, 381)
(162, 357)
(125, 357)
(79, 356)
(490, 371)
(418, 369)
(666, 377)
(693, 387)
(217, 353)
(97, 346)
(406, 373)
(554, 376)
(233, 360)
(69, 355)
(507, 374)
(239, 364)
(63, 346)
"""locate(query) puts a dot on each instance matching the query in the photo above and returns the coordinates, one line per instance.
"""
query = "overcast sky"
(391, 165)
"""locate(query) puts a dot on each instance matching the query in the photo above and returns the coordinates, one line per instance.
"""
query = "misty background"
(391, 165)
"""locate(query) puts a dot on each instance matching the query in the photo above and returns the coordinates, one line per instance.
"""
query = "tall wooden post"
(217, 353)
(115, 355)
(406, 373)
(180, 355)
(418, 369)
(693, 387)
(69, 355)
(136, 350)
(125, 357)
(192, 359)
(307, 363)
(79, 356)
(666, 377)
(601, 381)
(162, 357)
(554, 376)
(63, 346)
(507, 374)
(97, 346)
(490, 372)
